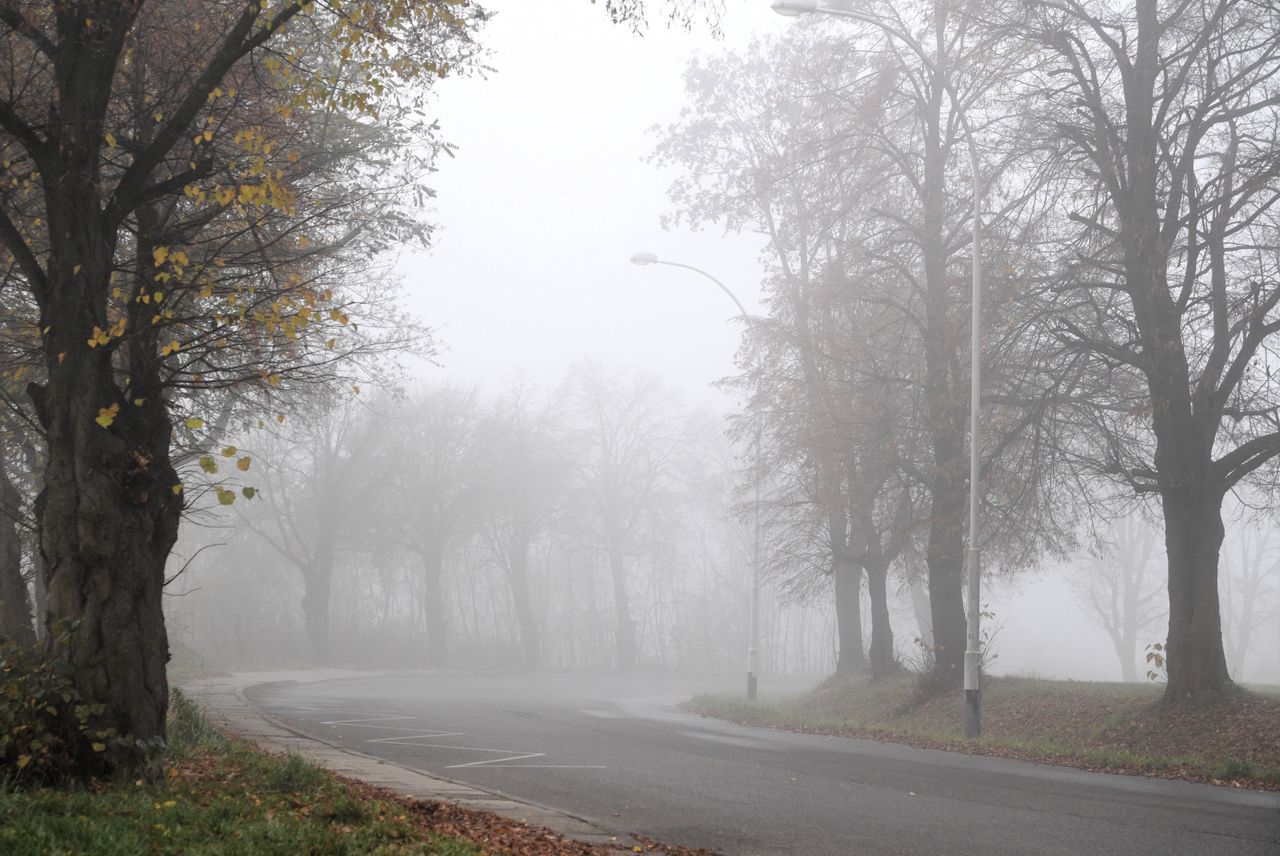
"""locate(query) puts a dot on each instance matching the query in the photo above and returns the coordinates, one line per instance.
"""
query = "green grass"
(217, 796)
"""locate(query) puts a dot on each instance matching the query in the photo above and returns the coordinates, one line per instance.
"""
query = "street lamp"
(753, 644)
(972, 664)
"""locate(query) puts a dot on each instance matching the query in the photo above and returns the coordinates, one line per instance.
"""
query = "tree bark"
(318, 585)
(881, 653)
(435, 608)
(624, 629)
(847, 580)
(518, 575)
(109, 522)
(945, 395)
(15, 603)
(109, 513)
(1197, 664)
(945, 557)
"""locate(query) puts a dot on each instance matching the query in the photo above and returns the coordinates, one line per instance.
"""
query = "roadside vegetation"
(1105, 727)
(213, 794)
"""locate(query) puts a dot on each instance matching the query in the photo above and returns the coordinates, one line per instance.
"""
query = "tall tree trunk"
(109, 513)
(318, 585)
(847, 580)
(945, 396)
(109, 521)
(1127, 654)
(435, 608)
(945, 557)
(15, 604)
(881, 652)
(1197, 665)
(625, 628)
(518, 575)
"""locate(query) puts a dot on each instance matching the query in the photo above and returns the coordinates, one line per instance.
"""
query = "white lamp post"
(972, 664)
(753, 644)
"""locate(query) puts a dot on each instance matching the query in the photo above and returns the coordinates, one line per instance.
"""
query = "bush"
(45, 732)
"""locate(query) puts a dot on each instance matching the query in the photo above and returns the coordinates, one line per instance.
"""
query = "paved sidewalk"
(225, 705)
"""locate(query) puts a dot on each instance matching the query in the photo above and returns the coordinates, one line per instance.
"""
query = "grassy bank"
(1095, 726)
(217, 795)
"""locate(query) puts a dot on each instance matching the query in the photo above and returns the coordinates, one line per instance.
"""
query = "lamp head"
(644, 258)
(795, 8)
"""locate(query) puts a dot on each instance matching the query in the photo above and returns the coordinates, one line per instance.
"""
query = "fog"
(567, 478)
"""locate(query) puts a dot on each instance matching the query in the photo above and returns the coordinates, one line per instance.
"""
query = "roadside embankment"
(1114, 728)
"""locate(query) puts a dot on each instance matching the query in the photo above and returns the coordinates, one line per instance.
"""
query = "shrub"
(45, 730)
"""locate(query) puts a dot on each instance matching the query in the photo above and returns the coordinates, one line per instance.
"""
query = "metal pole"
(753, 644)
(972, 657)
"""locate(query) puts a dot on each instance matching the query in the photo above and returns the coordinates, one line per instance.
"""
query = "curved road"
(616, 749)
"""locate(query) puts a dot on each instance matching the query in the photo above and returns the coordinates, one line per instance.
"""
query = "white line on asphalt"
(492, 766)
(404, 738)
(493, 761)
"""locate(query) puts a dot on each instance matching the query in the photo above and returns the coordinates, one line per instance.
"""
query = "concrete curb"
(227, 707)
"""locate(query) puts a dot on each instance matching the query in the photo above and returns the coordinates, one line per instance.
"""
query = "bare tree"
(1120, 587)
(433, 494)
(1247, 597)
(625, 433)
(1162, 118)
(313, 484)
(527, 476)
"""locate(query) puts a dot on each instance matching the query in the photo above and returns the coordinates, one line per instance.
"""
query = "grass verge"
(215, 795)
(1117, 728)
(218, 795)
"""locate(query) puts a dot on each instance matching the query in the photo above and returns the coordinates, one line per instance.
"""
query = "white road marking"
(413, 736)
(387, 718)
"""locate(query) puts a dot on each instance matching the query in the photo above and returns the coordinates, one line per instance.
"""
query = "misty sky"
(551, 193)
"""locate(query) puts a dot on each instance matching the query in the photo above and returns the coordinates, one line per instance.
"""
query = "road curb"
(228, 707)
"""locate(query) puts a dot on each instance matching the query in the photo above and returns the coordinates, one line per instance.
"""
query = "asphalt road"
(615, 749)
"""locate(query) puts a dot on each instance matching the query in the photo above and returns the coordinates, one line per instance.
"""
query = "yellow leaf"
(229, 452)
(177, 489)
(160, 254)
(195, 423)
(274, 379)
(23, 760)
(138, 402)
(107, 415)
(111, 140)
(99, 747)
(243, 465)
